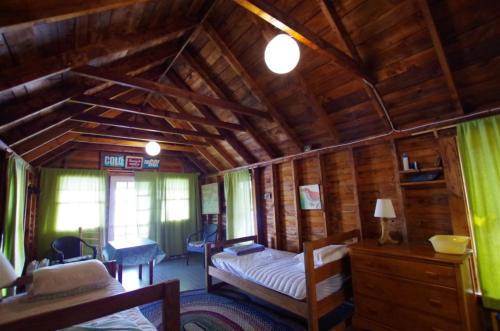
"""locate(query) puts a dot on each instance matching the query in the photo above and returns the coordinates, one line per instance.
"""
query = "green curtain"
(13, 238)
(171, 203)
(69, 199)
(239, 210)
(479, 143)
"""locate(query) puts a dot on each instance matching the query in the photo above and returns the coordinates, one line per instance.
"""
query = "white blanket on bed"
(277, 270)
(20, 306)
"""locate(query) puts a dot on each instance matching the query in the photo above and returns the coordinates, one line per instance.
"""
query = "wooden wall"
(351, 180)
(91, 159)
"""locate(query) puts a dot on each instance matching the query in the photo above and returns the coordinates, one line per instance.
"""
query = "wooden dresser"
(411, 288)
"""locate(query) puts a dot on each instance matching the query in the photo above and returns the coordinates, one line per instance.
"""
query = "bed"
(116, 309)
(277, 277)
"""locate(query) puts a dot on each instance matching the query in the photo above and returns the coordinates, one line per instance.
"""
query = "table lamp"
(385, 210)
(7, 272)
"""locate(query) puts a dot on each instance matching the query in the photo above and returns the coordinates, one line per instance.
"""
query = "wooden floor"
(191, 276)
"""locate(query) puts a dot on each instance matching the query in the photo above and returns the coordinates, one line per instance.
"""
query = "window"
(79, 203)
(175, 206)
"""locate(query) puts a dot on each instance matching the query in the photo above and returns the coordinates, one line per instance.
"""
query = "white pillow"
(325, 254)
(67, 279)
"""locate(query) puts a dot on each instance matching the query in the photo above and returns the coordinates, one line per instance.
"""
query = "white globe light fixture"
(282, 54)
(153, 148)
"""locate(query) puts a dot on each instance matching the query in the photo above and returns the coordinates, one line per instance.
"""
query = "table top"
(414, 251)
(122, 244)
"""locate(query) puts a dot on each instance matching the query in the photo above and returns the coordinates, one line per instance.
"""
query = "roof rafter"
(207, 112)
(441, 55)
(43, 102)
(222, 92)
(285, 23)
(23, 14)
(98, 53)
(336, 24)
(131, 143)
(207, 8)
(168, 90)
(215, 144)
(153, 112)
(142, 126)
(135, 134)
(252, 85)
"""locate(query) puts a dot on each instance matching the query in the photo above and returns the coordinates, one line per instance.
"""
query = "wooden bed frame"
(168, 292)
(310, 308)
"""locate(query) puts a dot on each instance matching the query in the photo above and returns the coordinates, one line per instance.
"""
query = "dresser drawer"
(440, 301)
(363, 324)
(399, 318)
(426, 272)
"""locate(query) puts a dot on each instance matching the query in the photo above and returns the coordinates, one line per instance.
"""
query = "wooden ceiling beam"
(168, 90)
(57, 153)
(325, 120)
(136, 135)
(131, 143)
(336, 25)
(252, 85)
(217, 86)
(285, 23)
(153, 112)
(44, 102)
(441, 55)
(38, 131)
(197, 164)
(207, 8)
(207, 112)
(83, 146)
(95, 54)
(49, 146)
(24, 14)
(142, 126)
(215, 144)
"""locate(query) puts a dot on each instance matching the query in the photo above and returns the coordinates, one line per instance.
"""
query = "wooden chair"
(69, 249)
(209, 235)
(93, 237)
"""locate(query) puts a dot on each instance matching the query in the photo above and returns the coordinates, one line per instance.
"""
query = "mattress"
(20, 306)
(276, 270)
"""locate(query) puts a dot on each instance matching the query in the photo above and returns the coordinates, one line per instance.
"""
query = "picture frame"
(210, 199)
(310, 197)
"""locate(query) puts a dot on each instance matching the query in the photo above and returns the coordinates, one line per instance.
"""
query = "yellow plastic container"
(449, 244)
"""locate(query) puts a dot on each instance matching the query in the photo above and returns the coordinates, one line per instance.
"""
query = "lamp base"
(385, 236)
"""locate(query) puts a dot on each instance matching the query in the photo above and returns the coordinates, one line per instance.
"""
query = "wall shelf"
(412, 171)
(423, 183)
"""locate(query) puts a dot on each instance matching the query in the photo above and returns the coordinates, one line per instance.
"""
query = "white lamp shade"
(7, 272)
(153, 148)
(282, 54)
(384, 208)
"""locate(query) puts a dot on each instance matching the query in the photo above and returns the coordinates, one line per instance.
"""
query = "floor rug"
(224, 310)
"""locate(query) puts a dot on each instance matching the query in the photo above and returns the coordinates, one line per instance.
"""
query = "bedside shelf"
(412, 171)
(428, 182)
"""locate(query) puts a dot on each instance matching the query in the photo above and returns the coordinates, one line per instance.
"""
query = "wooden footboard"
(311, 309)
(65, 317)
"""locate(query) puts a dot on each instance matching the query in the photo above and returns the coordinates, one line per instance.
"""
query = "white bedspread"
(277, 270)
(19, 307)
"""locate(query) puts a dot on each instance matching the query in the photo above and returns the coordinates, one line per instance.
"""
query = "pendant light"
(282, 54)
(153, 148)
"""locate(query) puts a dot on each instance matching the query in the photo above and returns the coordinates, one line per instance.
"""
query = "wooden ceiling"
(191, 75)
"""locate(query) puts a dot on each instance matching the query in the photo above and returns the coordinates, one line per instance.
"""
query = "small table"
(134, 252)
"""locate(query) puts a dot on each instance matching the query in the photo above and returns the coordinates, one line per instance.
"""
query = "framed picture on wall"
(310, 197)
(210, 199)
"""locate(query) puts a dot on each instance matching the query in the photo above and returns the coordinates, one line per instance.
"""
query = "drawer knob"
(435, 302)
